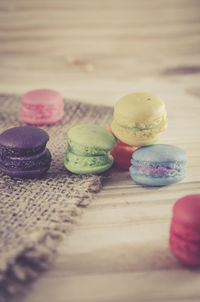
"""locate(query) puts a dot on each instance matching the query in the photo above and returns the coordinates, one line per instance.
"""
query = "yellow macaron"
(139, 119)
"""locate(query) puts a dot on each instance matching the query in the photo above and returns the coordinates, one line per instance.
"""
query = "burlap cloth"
(35, 213)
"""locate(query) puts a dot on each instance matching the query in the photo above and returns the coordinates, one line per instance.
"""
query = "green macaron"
(89, 149)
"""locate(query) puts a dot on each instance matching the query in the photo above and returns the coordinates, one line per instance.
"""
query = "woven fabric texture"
(35, 213)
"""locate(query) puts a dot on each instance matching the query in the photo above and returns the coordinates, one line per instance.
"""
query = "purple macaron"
(23, 152)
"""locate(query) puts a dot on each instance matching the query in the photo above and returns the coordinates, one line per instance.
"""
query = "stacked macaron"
(89, 149)
(23, 152)
(185, 230)
(139, 119)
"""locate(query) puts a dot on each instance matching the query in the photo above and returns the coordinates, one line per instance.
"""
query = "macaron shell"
(92, 136)
(43, 97)
(161, 153)
(87, 168)
(24, 138)
(25, 174)
(139, 109)
(187, 252)
(186, 211)
(148, 180)
(185, 222)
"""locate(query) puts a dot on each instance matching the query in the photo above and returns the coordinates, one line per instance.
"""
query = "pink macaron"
(184, 238)
(41, 107)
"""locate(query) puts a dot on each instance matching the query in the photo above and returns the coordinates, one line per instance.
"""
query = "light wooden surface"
(96, 51)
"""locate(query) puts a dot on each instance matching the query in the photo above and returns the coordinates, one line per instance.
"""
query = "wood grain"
(97, 51)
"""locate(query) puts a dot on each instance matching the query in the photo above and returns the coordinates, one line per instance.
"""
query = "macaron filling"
(43, 110)
(85, 150)
(144, 127)
(15, 152)
(138, 136)
(87, 161)
(139, 129)
(157, 169)
(161, 126)
(27, 163)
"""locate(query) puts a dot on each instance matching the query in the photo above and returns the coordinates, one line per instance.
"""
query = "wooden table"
(96, 51)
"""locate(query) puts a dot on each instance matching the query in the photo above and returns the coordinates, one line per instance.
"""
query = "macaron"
(122, 154)
(158, 165)
(41, 107)
(184, 238)
(89, 149)
(23, 152)
(139, 119)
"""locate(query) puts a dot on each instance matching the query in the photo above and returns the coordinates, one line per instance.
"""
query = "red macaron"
(122, 154)
(185, 230)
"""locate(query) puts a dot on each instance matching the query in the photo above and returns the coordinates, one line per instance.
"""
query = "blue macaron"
(158, 165)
